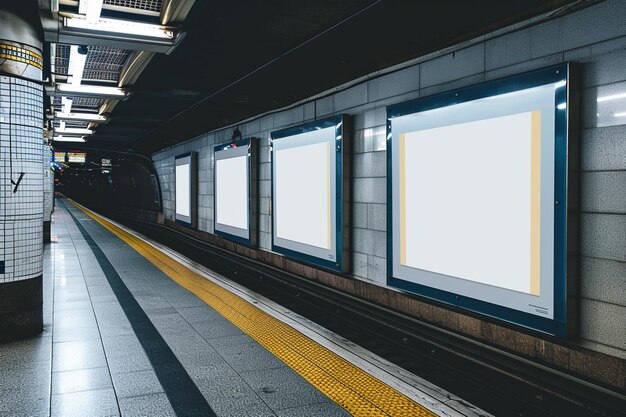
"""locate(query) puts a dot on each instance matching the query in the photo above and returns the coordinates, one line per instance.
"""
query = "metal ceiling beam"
(175, 11)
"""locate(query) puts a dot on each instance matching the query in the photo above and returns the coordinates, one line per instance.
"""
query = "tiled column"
(48, 193)
(21, 178)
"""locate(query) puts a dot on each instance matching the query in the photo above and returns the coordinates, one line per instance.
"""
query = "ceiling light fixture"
(91, 9)
(67, 104)
(118, 26)
(62, 138)
(83, 117)
(78, 57)
(74, 131)
(90, 91)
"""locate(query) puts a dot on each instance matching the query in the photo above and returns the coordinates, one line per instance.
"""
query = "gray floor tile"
(25, 376)
(129, 363)
(133, 384)
(249, 357)
(24, 403)
(84, 354)
(38, 349)
(217, 328)
(230, 340)
(154, 405)
(96, 403)
(125, 345)
(228, 395)
(283, 388)
(72, 305)
(76, 334)
(326, 409)
(81, 380)
(200, 314)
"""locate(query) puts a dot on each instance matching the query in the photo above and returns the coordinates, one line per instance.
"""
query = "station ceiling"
(242, 57)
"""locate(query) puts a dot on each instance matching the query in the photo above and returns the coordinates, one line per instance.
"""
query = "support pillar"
(21, 178)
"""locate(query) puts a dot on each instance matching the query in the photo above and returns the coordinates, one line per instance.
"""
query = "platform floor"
(122, 338)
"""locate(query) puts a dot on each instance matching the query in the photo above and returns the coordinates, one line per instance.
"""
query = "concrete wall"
(594, 37)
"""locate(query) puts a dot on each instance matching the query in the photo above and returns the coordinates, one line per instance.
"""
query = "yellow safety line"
(349, 386)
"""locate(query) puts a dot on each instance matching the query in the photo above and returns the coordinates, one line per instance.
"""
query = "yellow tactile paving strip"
(352, 388)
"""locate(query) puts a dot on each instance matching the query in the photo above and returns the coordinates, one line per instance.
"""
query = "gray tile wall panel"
(359, 264)
(604, 148)
(453, 66)
(605, 280)
(363, 240)
(359, 215)
(600, 48)
(603, 236)
(603, 323)
(394, 84)
(352, 97)
(508, 50)
(604, 192)
(377, 217)
(605, 69)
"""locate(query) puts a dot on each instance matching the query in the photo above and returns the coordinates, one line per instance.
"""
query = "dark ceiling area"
(241, 58)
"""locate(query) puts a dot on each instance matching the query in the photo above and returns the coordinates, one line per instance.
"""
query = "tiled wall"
(594, 37)
(21, 151)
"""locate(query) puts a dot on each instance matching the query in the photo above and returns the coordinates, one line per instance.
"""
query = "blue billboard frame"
(341, 148)
(193, 190)
(248, 143)
(561, 74)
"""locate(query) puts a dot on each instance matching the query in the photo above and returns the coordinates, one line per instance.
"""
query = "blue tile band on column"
(183, 394)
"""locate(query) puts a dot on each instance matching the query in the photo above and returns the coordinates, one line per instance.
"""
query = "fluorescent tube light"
(74, 131)
(67, 104)
(91, 90)
(84, 117)
(611, 97)
(622, 114)
(61, 138)
(119, 26)
(78, 57)
(562, 106)
(91, 9)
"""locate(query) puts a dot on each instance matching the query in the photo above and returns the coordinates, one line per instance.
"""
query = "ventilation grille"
(150, 5)
(62, 59)
(80, 101)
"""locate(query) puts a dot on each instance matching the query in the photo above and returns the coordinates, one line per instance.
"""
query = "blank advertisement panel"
(235, 182)
(308, 192)
(186, 193)
(477, 185)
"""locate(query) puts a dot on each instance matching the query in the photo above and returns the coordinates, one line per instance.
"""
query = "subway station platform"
(122, 337)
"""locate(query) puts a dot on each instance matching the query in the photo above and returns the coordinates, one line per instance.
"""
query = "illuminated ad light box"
(186, 189)
(59, 156)
(310, 194)
(478, 197)
(76, 157)
(236, 191)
